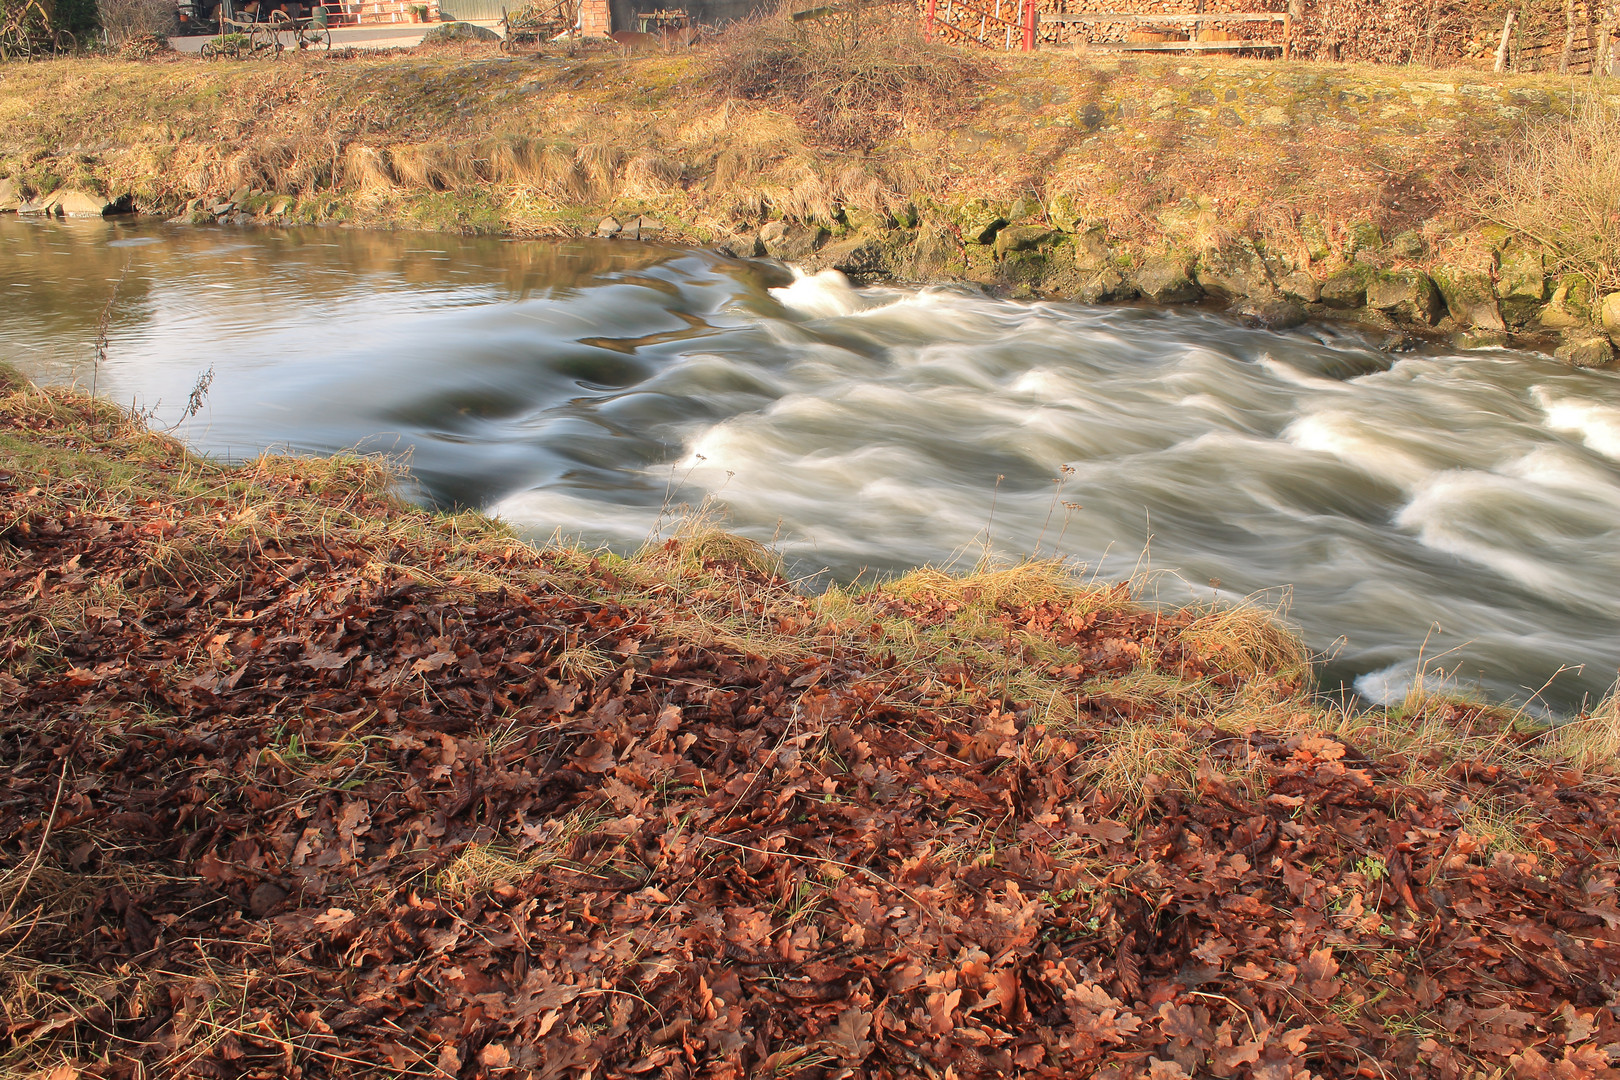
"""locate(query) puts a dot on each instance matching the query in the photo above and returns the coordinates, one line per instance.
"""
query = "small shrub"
(143, 47)
(137, 20)
(1561, 189)
(852, 79)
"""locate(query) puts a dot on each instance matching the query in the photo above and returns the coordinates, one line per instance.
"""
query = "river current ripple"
(1462, 508)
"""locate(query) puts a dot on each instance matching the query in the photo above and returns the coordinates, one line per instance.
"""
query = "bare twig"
(102, 324)
(39, 852)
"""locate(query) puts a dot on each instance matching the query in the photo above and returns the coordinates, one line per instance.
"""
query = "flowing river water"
(1461, 508)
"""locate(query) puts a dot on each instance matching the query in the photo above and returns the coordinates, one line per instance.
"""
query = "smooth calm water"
(1464, 505)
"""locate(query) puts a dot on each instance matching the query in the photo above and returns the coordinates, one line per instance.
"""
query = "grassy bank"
(300, 780)
(1436, 201)
(472, 140)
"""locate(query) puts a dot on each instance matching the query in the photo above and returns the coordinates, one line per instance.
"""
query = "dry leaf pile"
(299, 783)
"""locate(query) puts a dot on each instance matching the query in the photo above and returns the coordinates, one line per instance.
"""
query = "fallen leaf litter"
(282, 802)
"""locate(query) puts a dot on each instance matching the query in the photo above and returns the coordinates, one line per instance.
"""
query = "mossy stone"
(1577, 290)
(1587, 350)
(1521, 282)
(1470, 296)
(1091, 250)
(868, 256)
(934, 255)
(980, 221)
(1167, 279)
(1408, 244)
(1018, 238)
(1479, 339)
(1301, 286)
(792, 242)
(1346, 289)
(1274, 312)
(1024, 267)
(1315, 236)
(1103, 284)
(1407, 296)
(1065, 215)
(1608, 316)
(1364, 236)
(1233, 272)
(868, 221)
(1561, 312)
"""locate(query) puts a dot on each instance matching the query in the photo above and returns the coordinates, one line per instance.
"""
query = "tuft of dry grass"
(1560, 188)
(699, 542)
(852, 80)
(648, 176)
(367, 169)
(1591, 742)
(1022, 584)
(1252, 640)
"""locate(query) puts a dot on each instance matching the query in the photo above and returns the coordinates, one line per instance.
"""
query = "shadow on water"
(1464, 505)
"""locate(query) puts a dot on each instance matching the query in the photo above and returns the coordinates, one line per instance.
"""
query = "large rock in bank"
(1023, 238)
(1091, 250)
(10, 195)
(1167, 279)
(935, 255)
(1406, 296)
(1586, 349)
(1301, 287)
(1608, 314)
(1470, 296)
(1234, 273)
(791, 243)
(1101, 285)
(1521, 283)
(1346, 289)
(71, 203)
(862, 257)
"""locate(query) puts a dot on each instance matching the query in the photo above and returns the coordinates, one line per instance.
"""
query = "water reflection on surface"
(570, 386)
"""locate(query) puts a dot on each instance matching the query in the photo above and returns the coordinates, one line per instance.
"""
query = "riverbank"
(300, 777)
(1286, 190)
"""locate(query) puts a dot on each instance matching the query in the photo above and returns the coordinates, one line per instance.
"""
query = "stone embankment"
(1480, 289)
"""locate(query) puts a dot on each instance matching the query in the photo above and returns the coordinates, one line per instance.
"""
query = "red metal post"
(1029, 25)
(928, 24)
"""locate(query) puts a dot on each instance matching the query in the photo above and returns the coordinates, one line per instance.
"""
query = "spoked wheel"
(63, 43)
(316, 37)
(265, 39)
(209, 50)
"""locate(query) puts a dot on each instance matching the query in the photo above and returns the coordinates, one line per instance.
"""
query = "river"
(1458, 510)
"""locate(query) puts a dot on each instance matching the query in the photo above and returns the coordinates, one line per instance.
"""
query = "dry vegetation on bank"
(1561, 188)
(302, 781)
(773, 122)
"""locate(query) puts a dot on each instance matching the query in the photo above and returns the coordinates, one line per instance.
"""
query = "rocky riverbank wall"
(1480, 288)
(1286, 190)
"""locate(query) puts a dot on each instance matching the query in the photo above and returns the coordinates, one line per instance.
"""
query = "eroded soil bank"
(1288, 190)
(300, 781)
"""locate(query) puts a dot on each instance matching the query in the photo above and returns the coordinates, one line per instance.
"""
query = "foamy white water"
(1458, 508)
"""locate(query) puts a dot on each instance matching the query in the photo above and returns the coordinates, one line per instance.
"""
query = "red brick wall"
(594, 19)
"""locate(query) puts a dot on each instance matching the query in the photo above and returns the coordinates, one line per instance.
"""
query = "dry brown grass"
(851, 79)
(1560, 188)
(1591, 741)
(1252, 640)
